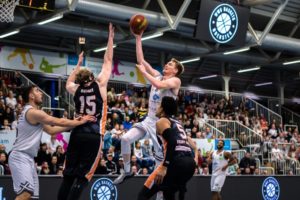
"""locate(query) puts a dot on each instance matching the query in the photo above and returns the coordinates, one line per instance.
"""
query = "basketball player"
(90, 97)
(167, 84)
(32, 123)
(179, 165)
(220, 162)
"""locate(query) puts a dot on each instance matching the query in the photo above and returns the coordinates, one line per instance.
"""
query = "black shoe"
(122, 177)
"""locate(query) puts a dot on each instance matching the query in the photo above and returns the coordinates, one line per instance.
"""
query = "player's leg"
(77, 188)
(127, 139)
(36, 189)
(20, 165)
(149, 188)
(71, 162)
(24, 196)
(159, 156)
(65, 187)
(89, 156)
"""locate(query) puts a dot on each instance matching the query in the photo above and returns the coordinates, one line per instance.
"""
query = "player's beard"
(220, 148)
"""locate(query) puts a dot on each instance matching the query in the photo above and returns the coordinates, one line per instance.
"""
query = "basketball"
(138, 23)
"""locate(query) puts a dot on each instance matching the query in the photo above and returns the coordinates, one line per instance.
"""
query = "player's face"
(170, 68)
(220, 145)
(37, 95)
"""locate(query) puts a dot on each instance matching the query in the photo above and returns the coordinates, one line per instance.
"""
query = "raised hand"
(111, 33)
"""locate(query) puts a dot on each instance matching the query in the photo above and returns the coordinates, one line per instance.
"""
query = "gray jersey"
(155, 98)
(28, 135)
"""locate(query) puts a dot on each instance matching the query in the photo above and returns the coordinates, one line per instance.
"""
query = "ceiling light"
(103, 48)
(291, 62)
(249, 69)
(155, 35)
(54, 18)
(190, 60)
(263, 84)
(207, 77)
(237, 51)
(9, 33)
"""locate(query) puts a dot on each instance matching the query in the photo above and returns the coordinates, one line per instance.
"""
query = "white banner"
(59, 63)
(7, 138)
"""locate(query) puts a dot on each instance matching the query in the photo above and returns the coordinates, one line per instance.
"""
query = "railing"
(27, 82)
(266, 171)
(239, 153)
(290, 117)
(215, 131)
(268, 114)
(235, 130)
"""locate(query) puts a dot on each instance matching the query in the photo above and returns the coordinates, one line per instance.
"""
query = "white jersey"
(219, 161)
(28, 135)
(156, 96)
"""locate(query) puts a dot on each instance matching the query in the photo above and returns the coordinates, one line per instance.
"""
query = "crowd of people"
(128, 107)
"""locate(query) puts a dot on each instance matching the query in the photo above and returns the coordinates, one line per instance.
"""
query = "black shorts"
(83, 150)
(179, 172)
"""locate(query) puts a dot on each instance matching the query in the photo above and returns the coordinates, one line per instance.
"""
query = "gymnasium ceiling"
(91, 18)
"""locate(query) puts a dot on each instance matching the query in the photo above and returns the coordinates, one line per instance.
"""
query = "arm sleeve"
(170, 146)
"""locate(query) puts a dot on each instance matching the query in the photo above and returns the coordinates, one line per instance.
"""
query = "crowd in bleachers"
(276, 148)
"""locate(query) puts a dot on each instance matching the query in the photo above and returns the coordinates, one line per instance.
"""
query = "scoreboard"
(48, 5)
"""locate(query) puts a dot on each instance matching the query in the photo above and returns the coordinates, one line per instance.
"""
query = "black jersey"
(88, 100)
(175, 142)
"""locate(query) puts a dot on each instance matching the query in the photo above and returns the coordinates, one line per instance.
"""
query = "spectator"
(53, 143)
(102, 169)
(107, 140)
(145, 171)
(134, 162)
(11, 100)
(6, 125)
(111, 165)
(9, 114)
(3, 164)
(43, 155)
(247, 162)
(138, 152)
(134, 170)
(127, 123)
(53, 166)
(273, 132)
(120, 166)
(45, 169)
(60, 154)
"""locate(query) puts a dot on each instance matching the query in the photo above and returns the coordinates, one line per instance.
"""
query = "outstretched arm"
(35, 116)
(140, 57)
(105, 73)
(171, 83)
(71, 86)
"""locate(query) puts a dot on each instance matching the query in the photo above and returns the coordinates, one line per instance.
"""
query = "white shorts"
(217, 182)
(24, 174)
(149, 127)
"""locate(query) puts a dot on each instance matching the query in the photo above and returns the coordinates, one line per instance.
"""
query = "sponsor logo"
(1, 194)
(270, 189)
(223, 23)
(103, 189)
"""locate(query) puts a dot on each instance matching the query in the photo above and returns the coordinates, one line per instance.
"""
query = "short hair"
(222, 142)
(26, 92)
(169, 106)
(84, 76)
(179, 67)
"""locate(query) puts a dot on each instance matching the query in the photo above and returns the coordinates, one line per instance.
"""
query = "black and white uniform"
(21, 159)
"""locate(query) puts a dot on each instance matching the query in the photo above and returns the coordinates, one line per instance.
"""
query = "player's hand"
(224, 168)
(161, 173)
(141, 67)
(137, 36)
(111, 33)
(86, 118)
